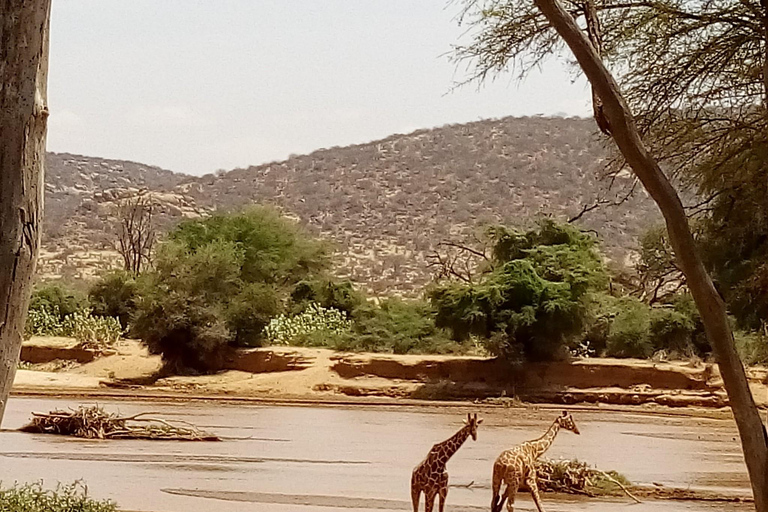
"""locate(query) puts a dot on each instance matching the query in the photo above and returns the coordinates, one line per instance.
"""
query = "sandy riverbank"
(323, 375)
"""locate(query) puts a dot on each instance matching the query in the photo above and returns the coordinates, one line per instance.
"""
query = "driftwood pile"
(93, 422)
(574, 477)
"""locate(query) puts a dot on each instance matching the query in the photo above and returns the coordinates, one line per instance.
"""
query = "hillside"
(386, 204)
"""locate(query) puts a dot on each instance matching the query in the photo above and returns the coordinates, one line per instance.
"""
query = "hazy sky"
(200, 85)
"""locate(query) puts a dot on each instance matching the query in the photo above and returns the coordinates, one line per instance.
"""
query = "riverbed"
(359, 458)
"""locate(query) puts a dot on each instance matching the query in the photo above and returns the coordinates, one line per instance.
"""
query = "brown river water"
(314, 459)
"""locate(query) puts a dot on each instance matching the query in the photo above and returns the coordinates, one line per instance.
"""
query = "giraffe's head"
(472, 422)
(566, 422)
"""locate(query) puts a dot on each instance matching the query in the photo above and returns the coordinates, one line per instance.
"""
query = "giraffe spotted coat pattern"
(517, 467)
(430, 476)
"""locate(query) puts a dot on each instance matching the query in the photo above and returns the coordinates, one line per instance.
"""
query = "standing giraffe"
(517, 466)
(430, 476)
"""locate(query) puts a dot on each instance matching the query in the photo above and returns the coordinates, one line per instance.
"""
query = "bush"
(397, 326)
(672, 331)
(66, 498)
(57, 299)
(218, 282)
(90, 331)
(283, 329)
(326, 293)
(114, 295)
(250, 311)
(752, 347)
(535, 300)
(629, 334)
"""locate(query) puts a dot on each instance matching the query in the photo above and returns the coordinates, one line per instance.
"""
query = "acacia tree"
(136, 232)
(23, 120)
(686, 120)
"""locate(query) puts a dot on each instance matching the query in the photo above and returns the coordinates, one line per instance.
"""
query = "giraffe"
(430, 476)
(517, 466)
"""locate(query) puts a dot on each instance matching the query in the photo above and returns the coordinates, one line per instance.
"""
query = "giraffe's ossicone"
(517, 466)
(430, 476)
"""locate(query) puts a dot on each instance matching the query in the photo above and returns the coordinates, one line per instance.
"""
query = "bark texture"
(754, 439)
(24, 31)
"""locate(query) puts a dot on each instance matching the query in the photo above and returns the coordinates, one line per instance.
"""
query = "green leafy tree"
(535, 300)
(114, 295)
(218, 282)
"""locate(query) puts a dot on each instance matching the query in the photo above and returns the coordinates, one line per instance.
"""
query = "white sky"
(200, 85)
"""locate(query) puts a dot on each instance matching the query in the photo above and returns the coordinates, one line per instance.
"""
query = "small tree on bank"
(217, 282)
(136, 231)
(24, 29)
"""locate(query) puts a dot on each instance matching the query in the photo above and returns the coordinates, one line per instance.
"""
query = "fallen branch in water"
(95, 423)
(623, 488)
(574, 477)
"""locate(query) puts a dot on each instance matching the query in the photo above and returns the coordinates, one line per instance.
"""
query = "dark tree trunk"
(711, 306)
(23, 118)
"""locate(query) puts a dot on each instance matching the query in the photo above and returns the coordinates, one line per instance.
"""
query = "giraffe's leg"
(415, 494)
(498, 474)
(513, 484)
(442, 491)
(429, 496)
(533, 486)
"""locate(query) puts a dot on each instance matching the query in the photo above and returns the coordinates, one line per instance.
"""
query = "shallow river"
(313, 459)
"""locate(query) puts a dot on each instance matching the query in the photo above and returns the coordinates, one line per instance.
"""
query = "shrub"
(397, 326)
(274, 248)
(250, 311)
(114, 295)
(752, 347)
(283, 329)
(65, 498)
(57, 299)
(89, 330)
(671, 330)
(43, 322)
(629, 334)
(328, 294)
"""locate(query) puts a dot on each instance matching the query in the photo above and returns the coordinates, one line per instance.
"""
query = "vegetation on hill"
(386, 205)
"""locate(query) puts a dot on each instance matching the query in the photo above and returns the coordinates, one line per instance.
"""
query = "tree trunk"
(754, 439)
(23, 118)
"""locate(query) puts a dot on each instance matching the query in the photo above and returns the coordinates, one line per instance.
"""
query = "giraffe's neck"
(447, 448)
(543, 443)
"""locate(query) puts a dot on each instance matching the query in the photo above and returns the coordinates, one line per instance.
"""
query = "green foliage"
(218, 282)
(43, 322)
(398, 326)
(534, 301)
(629, 334)
(57, 299)
(752, 347)
(250, 311)
(282, 330)
(274, 249)
(327, 293)
(65, 498)
(90, 331)
(628, 327)
(114, 295)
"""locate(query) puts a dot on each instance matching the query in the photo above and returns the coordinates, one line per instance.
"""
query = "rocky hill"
(386, 204)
